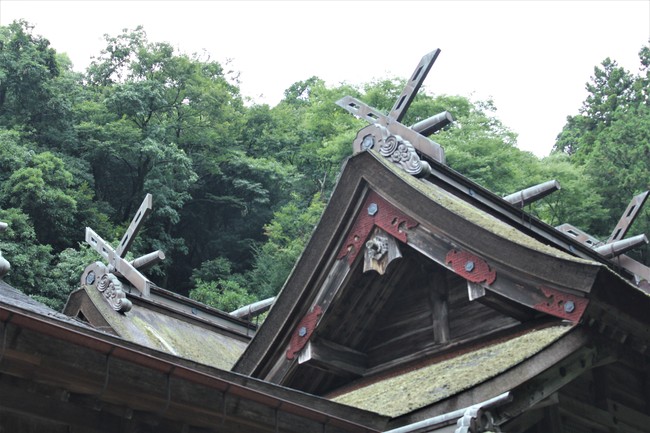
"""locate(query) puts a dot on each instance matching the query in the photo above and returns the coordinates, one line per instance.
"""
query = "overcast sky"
(532, 58)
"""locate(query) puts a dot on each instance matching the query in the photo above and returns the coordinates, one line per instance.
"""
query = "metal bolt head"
(368, 142)
(569, 306)
(90, 278)
(469, 266)
(302, 331)
(372, 209)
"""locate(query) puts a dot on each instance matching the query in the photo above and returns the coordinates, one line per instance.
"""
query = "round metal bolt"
(90, 278)
(302, 331)
(372, 209)
(469, 266)
(368, 142)
(569, 306)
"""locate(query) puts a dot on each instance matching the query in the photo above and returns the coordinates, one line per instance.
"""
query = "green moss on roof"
(424, 386)
(171, 334)
(470, 213)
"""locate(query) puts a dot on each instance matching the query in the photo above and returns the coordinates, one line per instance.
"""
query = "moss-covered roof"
(171, 334)
(472, 214)
(423, 386)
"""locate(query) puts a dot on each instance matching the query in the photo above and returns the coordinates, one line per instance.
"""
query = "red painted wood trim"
(563, 305)
(387, 217)
(470, 267)
(303, 331)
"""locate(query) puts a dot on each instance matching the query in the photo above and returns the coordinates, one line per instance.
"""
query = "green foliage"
(484, 150)
(226, 295)
(30, 260)
(64, 274)
(216, 286)
(576, 202)
(287, 234)
(609, 141)
(44, 190)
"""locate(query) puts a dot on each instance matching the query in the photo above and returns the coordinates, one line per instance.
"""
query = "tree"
(45, 191)
(30, 96)
(610, 89)
(609, 140)
(578, 202)
(215, 285)
(30, 261)
(287, 234)
(479, 146)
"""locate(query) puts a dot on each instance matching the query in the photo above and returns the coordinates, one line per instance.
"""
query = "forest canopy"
(239, 186)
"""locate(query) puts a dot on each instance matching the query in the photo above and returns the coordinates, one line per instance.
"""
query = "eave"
(99, 372)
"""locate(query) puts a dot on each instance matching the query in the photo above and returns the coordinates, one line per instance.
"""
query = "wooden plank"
(627, 415)
(413, 85)
(587, 415)
(37, 404)
(438, 292)
(334, 357)
(628, 217)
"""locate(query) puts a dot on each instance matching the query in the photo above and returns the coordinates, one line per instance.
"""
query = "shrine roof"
(436, 379)
(158, 329)
(473, 214)
(13, 297)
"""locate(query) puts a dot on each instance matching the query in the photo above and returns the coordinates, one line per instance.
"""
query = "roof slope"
(160, 330)
(13, 297)
(414, 389)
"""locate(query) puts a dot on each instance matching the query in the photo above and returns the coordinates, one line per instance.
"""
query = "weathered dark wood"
(521, 267)
(81, 307)
(282, 367)
(334, 357)
(587, 415)
(525, 421)
(138, 381)
(552, 420)
(24, 399)
(438, 293)
(510, 284)
(628, 416)
(601, 389)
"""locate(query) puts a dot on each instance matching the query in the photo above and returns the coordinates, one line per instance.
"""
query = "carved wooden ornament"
(470, 267)
(380, 250)
(376, 212)
(111, 287)
(303, 332)
(563, 305)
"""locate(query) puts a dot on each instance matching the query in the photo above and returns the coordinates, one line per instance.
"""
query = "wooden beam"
(47, 407)
(438, 294)
(628, 217)
(511, 284)
(329, 287)
(587, 415)
(628, 416)
(413, 85)
(330, 356)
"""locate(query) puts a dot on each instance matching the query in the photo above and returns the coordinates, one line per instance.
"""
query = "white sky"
(532, 58)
